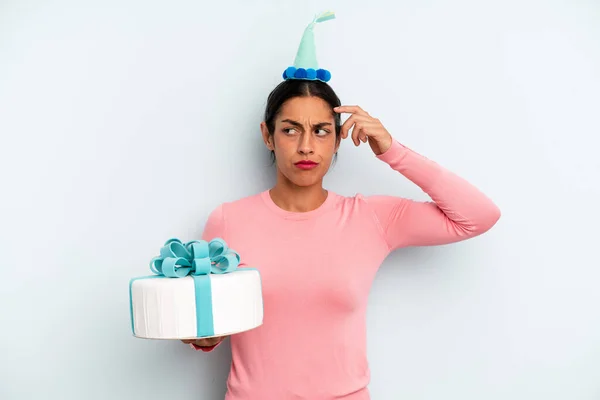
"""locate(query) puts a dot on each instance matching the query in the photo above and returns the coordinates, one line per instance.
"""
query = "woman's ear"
(267, 138)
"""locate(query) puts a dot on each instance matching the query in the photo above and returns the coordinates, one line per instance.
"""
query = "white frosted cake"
(182, 302)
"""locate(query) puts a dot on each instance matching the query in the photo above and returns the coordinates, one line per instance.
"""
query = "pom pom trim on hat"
(307, 74)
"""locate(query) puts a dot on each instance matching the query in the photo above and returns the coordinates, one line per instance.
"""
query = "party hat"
(305, 64)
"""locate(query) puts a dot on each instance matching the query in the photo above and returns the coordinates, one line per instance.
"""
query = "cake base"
(197, 337)
(196, 307)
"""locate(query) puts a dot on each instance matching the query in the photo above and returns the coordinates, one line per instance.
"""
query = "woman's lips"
(306, 164)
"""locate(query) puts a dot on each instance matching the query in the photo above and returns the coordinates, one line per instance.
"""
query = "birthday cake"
(198, 290)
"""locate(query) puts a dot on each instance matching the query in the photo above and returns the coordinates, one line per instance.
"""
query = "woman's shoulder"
(356, 198)
(241, 205)
(367, 204)
(221, 217)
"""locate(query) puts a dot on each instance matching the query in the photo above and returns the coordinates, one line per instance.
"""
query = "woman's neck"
(298, 198)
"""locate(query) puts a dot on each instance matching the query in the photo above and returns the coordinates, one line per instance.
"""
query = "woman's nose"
(305, 146)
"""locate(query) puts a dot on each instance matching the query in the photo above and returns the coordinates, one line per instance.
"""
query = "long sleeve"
(459, 210)
(214, 227)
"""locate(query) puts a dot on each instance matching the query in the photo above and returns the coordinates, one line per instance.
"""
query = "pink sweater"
(317, 268)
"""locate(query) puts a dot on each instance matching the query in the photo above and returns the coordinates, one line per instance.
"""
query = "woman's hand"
(366, 128)
(208, 342)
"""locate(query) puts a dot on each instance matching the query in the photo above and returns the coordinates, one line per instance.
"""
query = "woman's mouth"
(306, 164)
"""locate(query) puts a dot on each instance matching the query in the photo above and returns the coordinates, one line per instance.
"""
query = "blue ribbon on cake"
(198, 259)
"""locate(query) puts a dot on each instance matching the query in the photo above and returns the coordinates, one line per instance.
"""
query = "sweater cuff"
(396, 150)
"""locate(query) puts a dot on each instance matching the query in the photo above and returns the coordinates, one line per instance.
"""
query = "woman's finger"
(368, 129)
(347, 125)
(351, 109)
(352, 120)
(363, 135)
(356, 131)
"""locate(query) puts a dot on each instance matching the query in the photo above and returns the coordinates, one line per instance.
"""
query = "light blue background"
(124, 123)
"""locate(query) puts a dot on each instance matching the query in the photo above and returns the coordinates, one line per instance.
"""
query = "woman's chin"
(301, 178)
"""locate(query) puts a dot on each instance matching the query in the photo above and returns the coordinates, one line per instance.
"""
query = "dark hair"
(291, 88)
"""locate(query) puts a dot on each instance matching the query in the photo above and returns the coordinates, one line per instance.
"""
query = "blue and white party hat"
(305, 64)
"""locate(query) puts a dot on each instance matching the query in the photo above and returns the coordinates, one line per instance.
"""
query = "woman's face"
(304, 140)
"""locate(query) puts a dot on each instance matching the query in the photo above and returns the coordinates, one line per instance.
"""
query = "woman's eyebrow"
(298, 124)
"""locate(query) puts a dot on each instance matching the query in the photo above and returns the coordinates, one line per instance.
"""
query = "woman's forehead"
(300, 108)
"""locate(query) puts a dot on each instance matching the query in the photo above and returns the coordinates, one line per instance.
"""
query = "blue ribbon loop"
(197, 257)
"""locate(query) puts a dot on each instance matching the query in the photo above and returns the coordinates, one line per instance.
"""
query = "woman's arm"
(459, 210)
(215, 227)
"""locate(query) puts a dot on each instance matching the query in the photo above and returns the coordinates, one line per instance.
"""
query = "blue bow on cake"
(197, 257)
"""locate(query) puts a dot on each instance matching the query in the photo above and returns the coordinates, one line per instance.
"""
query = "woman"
(318, 251)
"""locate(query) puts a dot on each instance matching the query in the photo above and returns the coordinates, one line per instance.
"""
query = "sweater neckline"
(298, 215)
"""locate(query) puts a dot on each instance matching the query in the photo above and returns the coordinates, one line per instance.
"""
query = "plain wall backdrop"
(124, 123)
